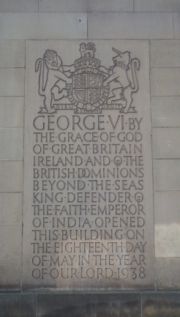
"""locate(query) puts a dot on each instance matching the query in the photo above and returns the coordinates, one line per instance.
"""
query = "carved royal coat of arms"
(86, 86)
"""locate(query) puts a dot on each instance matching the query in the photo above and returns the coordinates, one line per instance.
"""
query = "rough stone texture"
(135, 305)
(43, 26)
(17, 305)
(166, 142)
(11, 144)
(165, 111)
(10, 260)
(157, 5)
(12, 53)
(19, 5)
(166, 305)
(88, 305)
(11, 208)
(165, 53)
(11, 82)
(168, 273)
(11, 176)
(166, 175)
(130, 26)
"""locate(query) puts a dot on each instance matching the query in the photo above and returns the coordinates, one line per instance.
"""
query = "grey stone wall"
(157, 21)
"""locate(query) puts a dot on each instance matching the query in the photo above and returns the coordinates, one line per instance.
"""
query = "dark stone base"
(157, 304)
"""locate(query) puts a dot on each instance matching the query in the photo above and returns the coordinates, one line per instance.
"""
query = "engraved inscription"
(88, 189)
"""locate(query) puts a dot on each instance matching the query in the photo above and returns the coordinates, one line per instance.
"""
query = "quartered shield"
(87, 87)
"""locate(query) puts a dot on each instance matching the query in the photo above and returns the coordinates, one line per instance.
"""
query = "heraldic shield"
(86, 85)
(87, 88)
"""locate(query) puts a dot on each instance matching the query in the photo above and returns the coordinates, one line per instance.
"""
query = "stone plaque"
(88, 212)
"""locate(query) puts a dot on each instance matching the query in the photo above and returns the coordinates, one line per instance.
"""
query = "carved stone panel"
(88, 212)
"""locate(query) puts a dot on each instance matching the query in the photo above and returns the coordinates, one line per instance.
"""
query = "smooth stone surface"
(11, 82)
(168, 273)
(165, 81)
(166, 175)
(11, 144)
(43, 26)
(166, 143)
(63, 5)
(12, 53)
(176, 25)
(167, 240)
(17, 305)
(130, 26)
(11, 176)
(11, 208)
(161, 305)
(113, 5)
(88, 305)
(18, 5)
(11, 110)
(85, 5)
(167, 224)
(10, 260)
(157, 5)
(167, 207)
(165, 53)
(165, 111)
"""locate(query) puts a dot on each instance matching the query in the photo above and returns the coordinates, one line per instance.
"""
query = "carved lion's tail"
(135, 66)
(39, 67)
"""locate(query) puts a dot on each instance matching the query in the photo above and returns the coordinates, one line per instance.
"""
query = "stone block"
(168, 273)
(167, 240)
(176, 25)
(166, 175)
(165, 53)
(11, 208)
(85, 5)
(11, 144)
(11, 82)
(166, 142)
(12, 53)
(130, 26)
(157, 5)
(63, 6)
(165, 81)
(156, 305)
(10, 260)
(11, 176)
(167, 224)
(28, 305)
(43, 26)
(110, 6)
(11, 112)
(165, 111)
(19, 5)
(17, 305)
(88, 304)
(167, 207)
